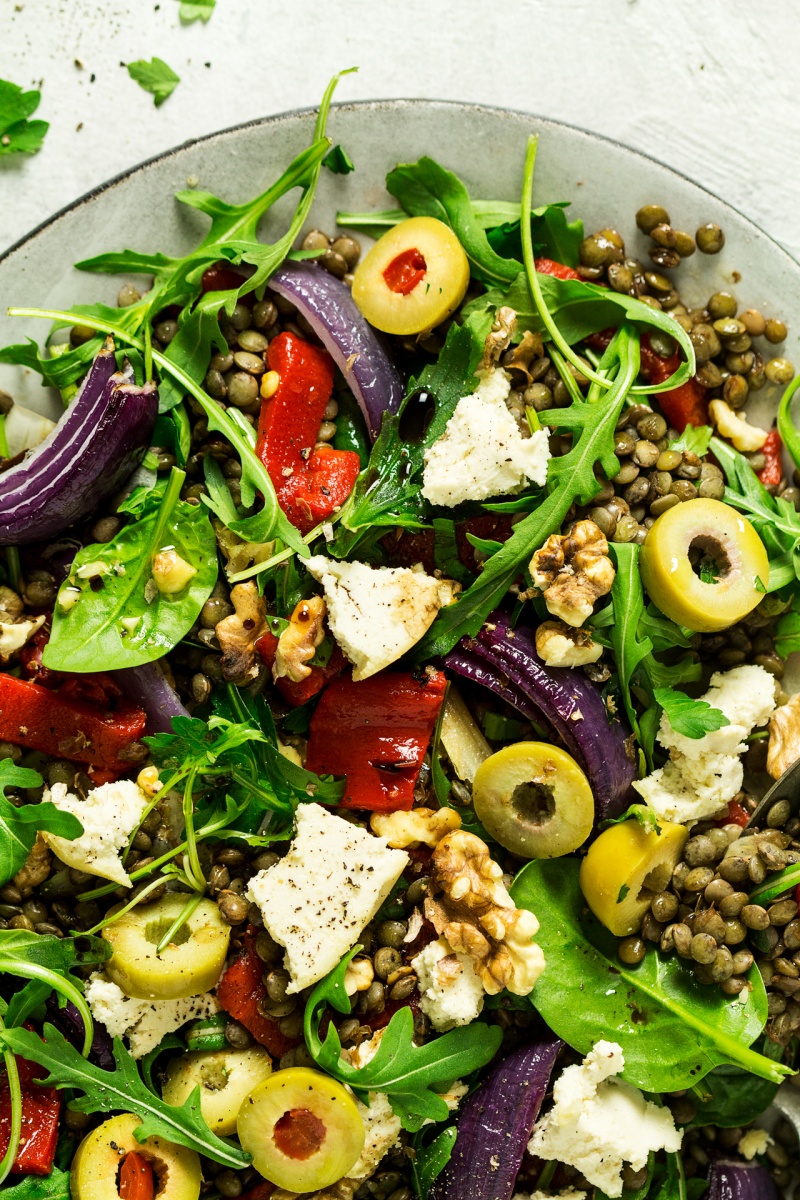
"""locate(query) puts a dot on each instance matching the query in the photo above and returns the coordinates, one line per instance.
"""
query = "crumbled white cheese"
(14, 635)
(598, 1123)
(482, 452)
(753, 1142)
(564, 647)
(109, 815)
(143, 1022)
(376, 614)
(566, 1194)
(703, 774)
(451, 992)
(317, 899)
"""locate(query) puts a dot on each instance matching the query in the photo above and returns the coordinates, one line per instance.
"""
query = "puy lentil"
(710, 238)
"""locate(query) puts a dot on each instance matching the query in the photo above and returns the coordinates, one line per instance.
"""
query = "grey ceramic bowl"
(605, 182)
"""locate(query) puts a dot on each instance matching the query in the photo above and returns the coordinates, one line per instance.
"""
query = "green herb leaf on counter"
(19, 824)
(155, 77)
(695, 440)
(410, 1075)
(338, 161)
(109, 608)
(571, 478)
(672, 1029)
(17, 133)
(691, 718)
(192, 10)
(122, 1089)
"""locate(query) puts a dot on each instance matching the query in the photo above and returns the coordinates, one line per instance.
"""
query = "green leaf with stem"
(691, 718)
(571, 478)
(122, 1089)
(54, 1186)
(411, 1076)
(155, 77)
(430, 1159)
(17, 133)
(15, 1110)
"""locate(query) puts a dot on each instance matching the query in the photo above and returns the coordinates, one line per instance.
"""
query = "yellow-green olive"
(95, 1167)
(625, 867)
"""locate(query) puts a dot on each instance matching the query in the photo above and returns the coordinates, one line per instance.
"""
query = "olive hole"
(155, 930)
(416, 416)
(654, 882)
(708, 558)
(533, 802)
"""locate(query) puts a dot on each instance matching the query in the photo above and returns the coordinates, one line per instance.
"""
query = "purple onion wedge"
(148, 687)
(563, 701)
(330, 310)
(70, 1022)
(740, 1181)
(494, 1126)
(88, 456)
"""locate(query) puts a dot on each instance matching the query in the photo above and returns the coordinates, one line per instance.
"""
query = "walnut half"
(784, 737)
(573, 570)
(299, 640)
(239, 633)
(472, 909)
(418, 827)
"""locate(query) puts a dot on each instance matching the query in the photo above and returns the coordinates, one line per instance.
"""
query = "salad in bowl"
(396, 735)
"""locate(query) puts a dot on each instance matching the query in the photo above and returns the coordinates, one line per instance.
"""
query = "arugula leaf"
(695, 440)
(122, 1088)
(170, 1041)
(428, 1161)
(191, 10)
(127, 621)
(409, 1075)
(787, 634)
(54, 1186)
(672, 1029)
(691, 718)
(19, 825)
(155, 77)
(191, 349)
(338, 161)
(387, 493)
(571, 478)
(445, 550)
(17, 133)
(553, 236)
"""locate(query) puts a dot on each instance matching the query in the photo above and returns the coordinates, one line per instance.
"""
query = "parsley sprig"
(18, 134)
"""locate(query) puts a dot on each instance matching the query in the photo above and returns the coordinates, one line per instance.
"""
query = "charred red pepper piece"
(136, 1178)
(376, 733)
(548, 266)
(684, 405)
(310, 484)
(241, 990)
(42, 719)
(772, 471)
(40, 1111)
(297, 693)
(736, 815)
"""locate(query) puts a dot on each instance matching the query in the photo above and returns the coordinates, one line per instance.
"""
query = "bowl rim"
(398, 102)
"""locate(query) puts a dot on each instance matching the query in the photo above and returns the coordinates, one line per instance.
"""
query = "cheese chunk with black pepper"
(316, 901)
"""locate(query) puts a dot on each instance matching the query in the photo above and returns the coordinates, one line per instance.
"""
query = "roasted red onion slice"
(740, 1181)
(148, 687)
(330, 310)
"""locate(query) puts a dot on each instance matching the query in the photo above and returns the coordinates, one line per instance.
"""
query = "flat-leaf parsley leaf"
(17, 133)
(155, 77)
(692, 718)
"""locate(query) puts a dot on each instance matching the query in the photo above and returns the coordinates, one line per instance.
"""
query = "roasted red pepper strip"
(310, 484)
(376, 733)
(40, 1111)
(684, 405)
(136, 1178)
(547, 266)
(298, 693)
(240, 991)
(772, 471)
(736, 815)
(42, 719)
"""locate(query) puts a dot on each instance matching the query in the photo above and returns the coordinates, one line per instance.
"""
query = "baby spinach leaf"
(17, 133)
(729, 1096)
(571, 477)
(552, 234)
(410, 1075)
(122, 1089)
(691, 718)
(672, 1029)
(54, 1186)
(127, 621)
(430, 1160)
(155, 77)
(19, 825)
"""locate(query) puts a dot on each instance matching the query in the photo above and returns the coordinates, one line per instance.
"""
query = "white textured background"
(708, 86)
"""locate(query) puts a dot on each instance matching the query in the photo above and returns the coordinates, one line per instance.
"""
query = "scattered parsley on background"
(155, 77)
(192, 9)
(17, 133)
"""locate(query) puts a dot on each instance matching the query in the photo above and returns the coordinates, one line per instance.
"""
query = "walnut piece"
(472, 909)
(35, 869)
(784, 737)
(419, 827)
(573, 570)
(735, 427)
(299, 640)
(560, 645)
(498, 338)
(239, 554)
(239, 633)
